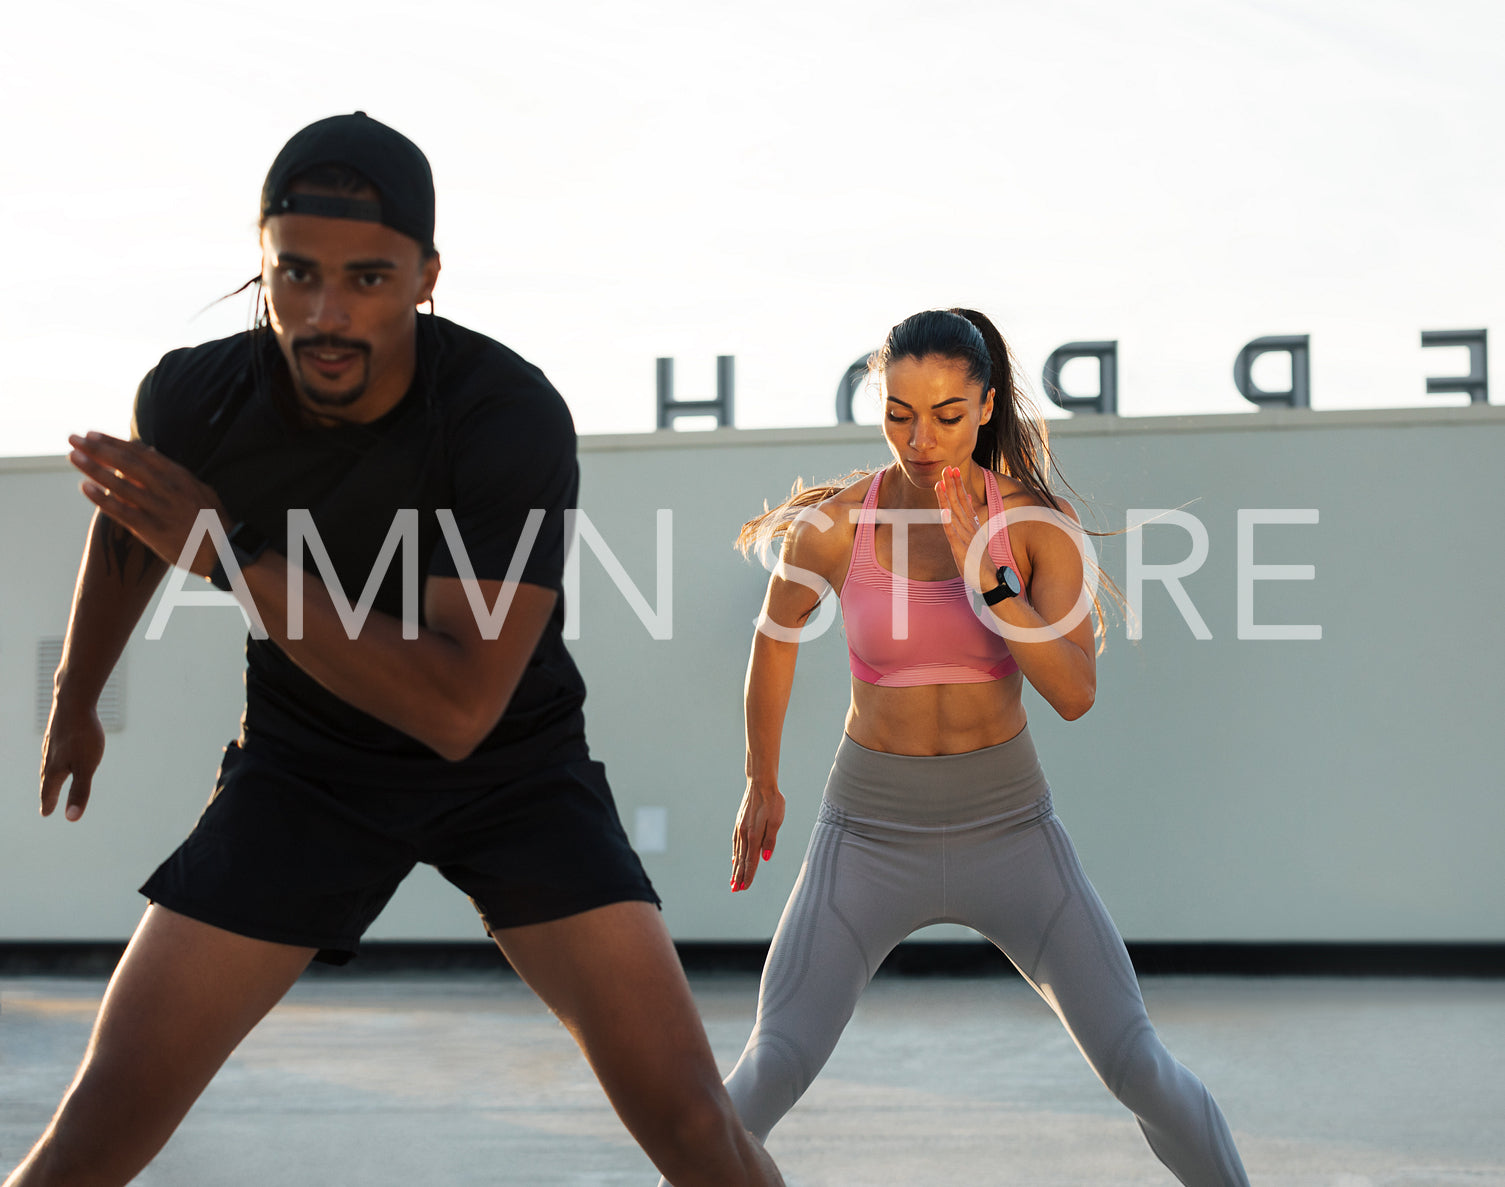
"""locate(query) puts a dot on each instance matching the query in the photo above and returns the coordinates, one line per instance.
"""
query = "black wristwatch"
(1008, 587)
(246, 543)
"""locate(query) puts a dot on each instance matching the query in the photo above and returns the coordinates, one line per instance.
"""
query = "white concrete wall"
(1347, 788)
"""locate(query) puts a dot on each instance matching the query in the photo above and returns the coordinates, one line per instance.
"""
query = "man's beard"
(324, 399)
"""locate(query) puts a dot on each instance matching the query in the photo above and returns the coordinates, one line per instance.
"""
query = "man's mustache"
(331, 342)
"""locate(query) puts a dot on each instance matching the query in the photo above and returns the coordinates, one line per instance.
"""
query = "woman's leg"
(613, 978)
(1027, 893)
(180, 1001)
(861, 890)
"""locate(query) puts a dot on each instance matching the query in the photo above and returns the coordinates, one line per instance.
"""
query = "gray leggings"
(905, 841)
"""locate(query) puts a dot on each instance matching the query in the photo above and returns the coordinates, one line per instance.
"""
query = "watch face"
(1008, 587)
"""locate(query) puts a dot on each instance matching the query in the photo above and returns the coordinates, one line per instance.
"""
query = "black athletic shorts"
(297, 858)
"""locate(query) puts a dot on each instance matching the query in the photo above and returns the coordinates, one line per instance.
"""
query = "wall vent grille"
(111, 700)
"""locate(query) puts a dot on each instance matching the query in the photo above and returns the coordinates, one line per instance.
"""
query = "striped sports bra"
(946, 642)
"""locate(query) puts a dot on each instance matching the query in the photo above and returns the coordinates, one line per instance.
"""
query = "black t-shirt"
(480, 432)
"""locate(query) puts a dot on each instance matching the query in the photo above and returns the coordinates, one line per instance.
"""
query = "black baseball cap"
(395, 166)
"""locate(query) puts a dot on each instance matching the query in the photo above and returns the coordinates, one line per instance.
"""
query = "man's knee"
(698, 1138)
(97, 1138)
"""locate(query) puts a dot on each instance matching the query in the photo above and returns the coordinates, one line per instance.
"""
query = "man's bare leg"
(181, 1000)
(613, 978)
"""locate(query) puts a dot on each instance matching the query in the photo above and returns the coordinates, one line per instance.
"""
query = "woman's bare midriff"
(931, 719)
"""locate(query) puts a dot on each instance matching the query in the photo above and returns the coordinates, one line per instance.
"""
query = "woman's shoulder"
(842, 506)
(854, 492)
(825, 529)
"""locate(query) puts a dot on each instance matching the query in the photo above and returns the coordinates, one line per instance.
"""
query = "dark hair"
(1013, 441)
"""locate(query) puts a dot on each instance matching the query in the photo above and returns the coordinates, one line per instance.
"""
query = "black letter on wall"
(1106, 354)
(1298, 346)
(1476, 382)
(721, 407)
(847, 389)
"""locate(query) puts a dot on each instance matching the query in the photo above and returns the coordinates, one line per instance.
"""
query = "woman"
(937, 764)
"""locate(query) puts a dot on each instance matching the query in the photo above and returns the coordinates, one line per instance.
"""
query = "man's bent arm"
(447, 688)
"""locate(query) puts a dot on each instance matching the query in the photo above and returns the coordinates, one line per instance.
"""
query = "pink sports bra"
(947, 643)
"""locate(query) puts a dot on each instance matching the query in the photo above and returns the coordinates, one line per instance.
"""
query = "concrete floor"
(465, 1079)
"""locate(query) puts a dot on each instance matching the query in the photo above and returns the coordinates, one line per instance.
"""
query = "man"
(349, 428)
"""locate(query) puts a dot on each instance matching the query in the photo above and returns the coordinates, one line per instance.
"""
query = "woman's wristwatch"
(1008, 587)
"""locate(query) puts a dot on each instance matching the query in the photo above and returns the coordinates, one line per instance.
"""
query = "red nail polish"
(767, 853)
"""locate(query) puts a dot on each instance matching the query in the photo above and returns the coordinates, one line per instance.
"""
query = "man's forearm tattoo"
(119, 548)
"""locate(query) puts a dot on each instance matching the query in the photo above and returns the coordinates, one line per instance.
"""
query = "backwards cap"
(395, 166)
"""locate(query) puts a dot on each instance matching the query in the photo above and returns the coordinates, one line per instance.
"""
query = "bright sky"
(780, 181)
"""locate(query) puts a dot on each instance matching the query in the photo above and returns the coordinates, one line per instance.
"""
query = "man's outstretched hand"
(149, 495)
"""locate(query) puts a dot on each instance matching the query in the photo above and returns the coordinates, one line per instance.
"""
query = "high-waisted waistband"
(938, 789)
